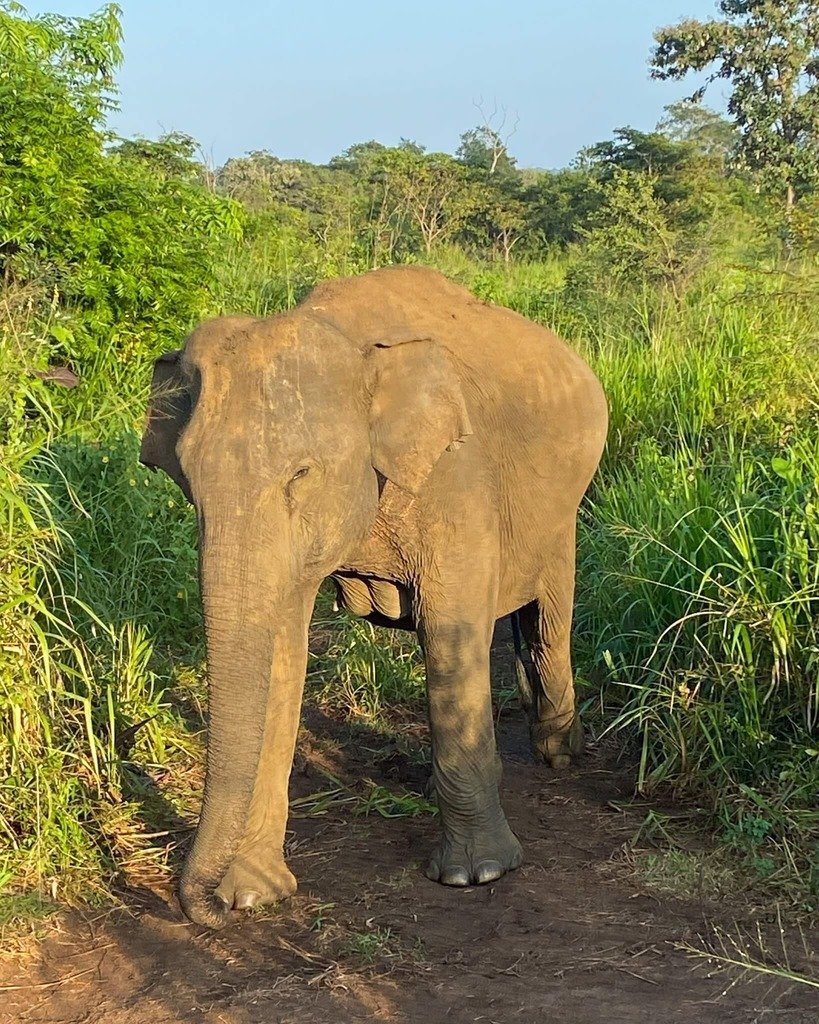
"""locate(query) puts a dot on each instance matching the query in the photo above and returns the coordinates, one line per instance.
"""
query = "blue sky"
(307, 79)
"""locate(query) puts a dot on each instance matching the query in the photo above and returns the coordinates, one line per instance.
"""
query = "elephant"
(428, 451)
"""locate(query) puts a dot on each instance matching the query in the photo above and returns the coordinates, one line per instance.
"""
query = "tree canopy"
(768, 51)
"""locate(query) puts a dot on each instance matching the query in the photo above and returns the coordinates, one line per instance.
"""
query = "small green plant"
(692, 875)
(372, 946)
(387, 804)
(745, 955)
(321, 916)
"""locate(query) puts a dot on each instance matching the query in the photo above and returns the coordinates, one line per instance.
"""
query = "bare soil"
(574, 935)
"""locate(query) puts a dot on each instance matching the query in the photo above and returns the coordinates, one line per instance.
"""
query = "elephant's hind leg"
(546, 623)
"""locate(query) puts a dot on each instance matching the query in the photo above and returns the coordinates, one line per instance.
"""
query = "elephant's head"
(281, 432)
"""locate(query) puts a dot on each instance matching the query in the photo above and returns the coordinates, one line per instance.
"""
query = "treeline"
(128, 233)
(393, 203)
(642, 209)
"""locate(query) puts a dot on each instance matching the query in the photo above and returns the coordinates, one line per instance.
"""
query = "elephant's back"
(373, 306)
(521, 376)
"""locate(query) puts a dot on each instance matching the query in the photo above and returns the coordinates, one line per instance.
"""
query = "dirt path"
(569, 937)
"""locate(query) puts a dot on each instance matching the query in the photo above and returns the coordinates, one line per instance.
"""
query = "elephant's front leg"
(258, 873)
(476, 845)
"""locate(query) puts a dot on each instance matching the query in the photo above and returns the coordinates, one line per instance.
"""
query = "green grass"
(98, 582)
(695, 876)
(697, 624)
(698, 586)
(363, 797)
(388, 804)
(372, 946)
(368, 673)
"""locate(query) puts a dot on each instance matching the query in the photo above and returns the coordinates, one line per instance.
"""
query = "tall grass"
(98, 574)
(368, 673)
(698, 582)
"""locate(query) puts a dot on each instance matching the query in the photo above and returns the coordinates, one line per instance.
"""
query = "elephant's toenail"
(455, 876)
(247, 899)
(432, 871)
(488, 871)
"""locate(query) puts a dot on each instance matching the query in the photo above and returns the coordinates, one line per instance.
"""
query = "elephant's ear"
(168, 413)
(418, 409)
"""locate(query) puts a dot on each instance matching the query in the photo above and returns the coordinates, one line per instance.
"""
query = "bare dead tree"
(209, 171)
(497, 129)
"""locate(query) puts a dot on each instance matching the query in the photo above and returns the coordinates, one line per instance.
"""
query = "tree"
(123, 238)
(486, 147)
(769, 52)
(559, 205)
(710, 133)
(172, 155)
(493, 209)
(78, 55)
(52, 103)
(495, 216)
(632, 239)
(376, 211)
(359, 158)
(481, 148)
(506, 220)
(633, 150)
(689, 182)
(258, 179)
(657, 204)
(433, 189)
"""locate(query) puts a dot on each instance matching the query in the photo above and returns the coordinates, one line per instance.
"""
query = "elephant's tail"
(522, 675)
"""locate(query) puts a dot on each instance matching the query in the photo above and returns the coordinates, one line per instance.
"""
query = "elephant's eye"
(303, 481)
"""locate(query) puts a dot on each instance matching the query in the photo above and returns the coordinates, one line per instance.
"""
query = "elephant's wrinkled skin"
(427, 450)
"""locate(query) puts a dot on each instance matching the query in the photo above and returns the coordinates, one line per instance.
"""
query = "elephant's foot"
(556, 740)
(255, 878)
(249, 881)
(474, 857)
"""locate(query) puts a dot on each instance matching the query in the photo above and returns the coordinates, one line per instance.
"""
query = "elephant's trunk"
(256, 632)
